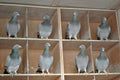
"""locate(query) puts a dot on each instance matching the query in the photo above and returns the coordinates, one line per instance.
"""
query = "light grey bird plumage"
(82, 59)
(46, 59)
(103, 30)
(45, 28)
(73, 27)
(13, 61)
(102, 61)
(13, 26)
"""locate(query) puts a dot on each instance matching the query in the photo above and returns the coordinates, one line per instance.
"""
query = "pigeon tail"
(39, 70)
(6, 72)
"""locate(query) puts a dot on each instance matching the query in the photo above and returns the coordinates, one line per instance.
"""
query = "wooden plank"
(60, 44)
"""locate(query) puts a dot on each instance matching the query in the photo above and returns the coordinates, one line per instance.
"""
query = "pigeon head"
(46, 20)
(102, 52)
(103, 49)
(46, 17)
(15, 13)
(82, 51)
(104, 22)
(82, 46)
(74, 18)
(15, 48)
(14, 17)
(47, 44)
(104, 19)
(46, 50)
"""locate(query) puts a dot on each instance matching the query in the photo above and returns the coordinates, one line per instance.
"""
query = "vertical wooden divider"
(89, 25)
(88, 16)
(91, 47)
(60, 43)
(27, 62)
(118, 22)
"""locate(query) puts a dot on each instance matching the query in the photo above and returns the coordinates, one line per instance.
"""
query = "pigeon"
(45, 28)
(13, 61)
(103, 30)
(82, 59)
(73, 27)
(13, 27)
(45, 60)
(102, 61)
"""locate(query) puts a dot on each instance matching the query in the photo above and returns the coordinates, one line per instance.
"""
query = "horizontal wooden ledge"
(51, 74)
(43, 39)
(92, 40)
(87, 74)
(9, 38)
(54, 7)
(66, 74)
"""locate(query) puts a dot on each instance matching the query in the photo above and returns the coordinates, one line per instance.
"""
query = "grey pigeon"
(102, 61)
(45, 28)
(103, 30)
(45, 60)
(82, 59)
(13, 27)
(13, 61)
(73, 27)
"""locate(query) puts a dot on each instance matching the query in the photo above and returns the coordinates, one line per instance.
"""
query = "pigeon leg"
(15, 72)
(99, 71)
(42, 71)
(105, 71)
(9, 35)
(75, 37)
(85, 70)
(41, 37)
(70, 36)
(78, 70)
(106, 38)
(11, 74)
(15, 35)
(47, 71)
(46, 37)
(100, 38)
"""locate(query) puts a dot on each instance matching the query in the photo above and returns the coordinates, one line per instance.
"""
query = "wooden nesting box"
(35, 18)
(5, 15)
(38, 49)
(63, 50)
(5, 50)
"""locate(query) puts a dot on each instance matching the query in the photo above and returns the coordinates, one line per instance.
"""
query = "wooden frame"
(63, 67)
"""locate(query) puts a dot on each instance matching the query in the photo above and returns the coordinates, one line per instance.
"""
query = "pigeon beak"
(20, 46)
(44, 17)
(104, 19)
(18, 14)
(80, 46)
(49, 45)
(103, 49)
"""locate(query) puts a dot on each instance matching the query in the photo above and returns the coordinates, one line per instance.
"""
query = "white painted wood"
(109, 4)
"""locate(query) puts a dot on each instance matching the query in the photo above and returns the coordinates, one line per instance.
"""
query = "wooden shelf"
(63, 50)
